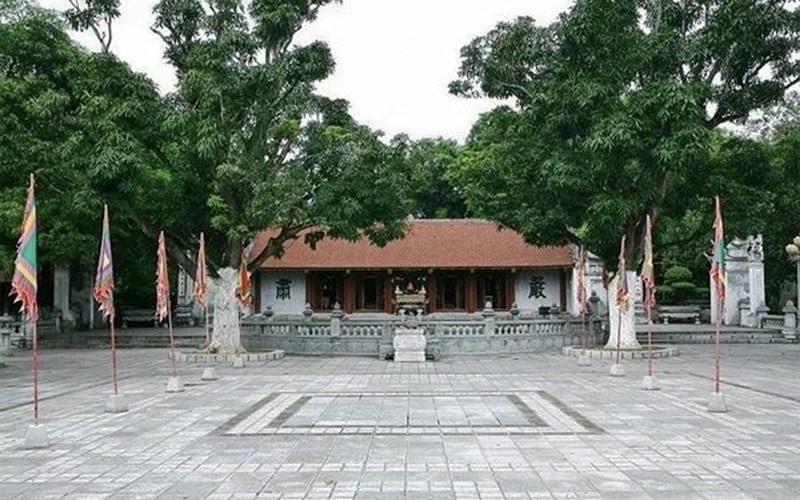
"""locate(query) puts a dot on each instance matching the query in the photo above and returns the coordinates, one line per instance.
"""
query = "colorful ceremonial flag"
(718, 255)
(243, 286)
(200, 284)
(24, 283)
(162, 280)
(622, 283)
(582, 280)
(104, 278)
(648, 271)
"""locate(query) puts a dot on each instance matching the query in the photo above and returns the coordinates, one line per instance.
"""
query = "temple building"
(440, 266)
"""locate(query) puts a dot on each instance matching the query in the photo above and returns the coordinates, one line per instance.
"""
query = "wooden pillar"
(562, 288)
(431, 289)
(470, 293)
(257, 292)
(312, 290)
(349, 294)
(388, 295)
(511, 279)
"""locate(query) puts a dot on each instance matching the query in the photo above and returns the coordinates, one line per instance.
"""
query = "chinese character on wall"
(537, 288)
(283, 289)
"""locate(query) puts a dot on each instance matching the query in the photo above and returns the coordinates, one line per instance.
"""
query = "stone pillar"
(737, 278)
(183, 308)
(336, 321)
(627, 333)
(789, 330)
(488, 314)
(755, 257)
(226, 334)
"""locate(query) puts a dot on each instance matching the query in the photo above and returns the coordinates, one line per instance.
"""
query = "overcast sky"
(394, 58)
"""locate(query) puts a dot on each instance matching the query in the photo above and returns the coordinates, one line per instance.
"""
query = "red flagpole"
(171, 338)
(619, 328)
(649, 341)
(716, 346)
(113, 354)
(35, 374)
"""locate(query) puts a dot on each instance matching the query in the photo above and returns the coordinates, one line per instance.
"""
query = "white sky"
(394, 58)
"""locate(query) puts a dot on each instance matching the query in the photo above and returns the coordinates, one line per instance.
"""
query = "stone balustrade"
(340, 334)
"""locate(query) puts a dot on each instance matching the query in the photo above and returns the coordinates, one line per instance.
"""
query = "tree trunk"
(226, 332)
(627, 333)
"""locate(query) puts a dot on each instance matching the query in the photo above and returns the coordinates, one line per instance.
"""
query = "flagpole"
(208, 333)
(583, 331)
(35, 350)
(716, 347)
(113, 355)
(619, 328)
(649, 341)
(171, 337)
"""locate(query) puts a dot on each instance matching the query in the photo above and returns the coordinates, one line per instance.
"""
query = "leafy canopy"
(614, 105)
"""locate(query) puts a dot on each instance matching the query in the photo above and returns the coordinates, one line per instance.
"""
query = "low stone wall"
(374, 337)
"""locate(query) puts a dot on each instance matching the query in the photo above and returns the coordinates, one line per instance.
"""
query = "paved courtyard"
(521, 426)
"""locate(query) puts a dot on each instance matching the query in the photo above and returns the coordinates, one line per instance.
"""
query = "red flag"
(243, 287)
(648, 270)
(162, 280)
(582, 280)
(200, 284)
(24, 282)
(104, 279)
(622, 283)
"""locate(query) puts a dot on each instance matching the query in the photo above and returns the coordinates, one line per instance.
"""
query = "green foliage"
(678, 286)
(616, 105)
(433, 194)
(248, 125)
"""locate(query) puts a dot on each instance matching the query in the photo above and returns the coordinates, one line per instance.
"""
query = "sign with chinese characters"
(283, 289)
(537, 288)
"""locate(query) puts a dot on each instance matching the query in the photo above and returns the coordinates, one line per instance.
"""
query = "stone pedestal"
(175, 384)
(36, 437)
(209, 373)
(617, 370)
(238, 362)
(116, 404)
(409, 344)
(716, 403)
(649, 383)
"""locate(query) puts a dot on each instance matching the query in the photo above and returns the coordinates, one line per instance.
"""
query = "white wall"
(297, 292)
(551, 290)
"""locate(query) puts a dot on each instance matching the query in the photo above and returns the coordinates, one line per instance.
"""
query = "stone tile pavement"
(471, 427)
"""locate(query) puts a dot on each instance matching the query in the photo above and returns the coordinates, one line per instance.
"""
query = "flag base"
(116, 404)
(716, 403)
(209, 373)
(617, 370)
(238, 362)
(584, 360)
(175, 384)
(36, 437)
(649, 383)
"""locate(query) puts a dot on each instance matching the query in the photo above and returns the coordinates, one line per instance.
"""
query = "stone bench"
(139, 316)
(679, 313)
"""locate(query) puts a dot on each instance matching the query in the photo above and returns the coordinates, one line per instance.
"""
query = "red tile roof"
(428, 243)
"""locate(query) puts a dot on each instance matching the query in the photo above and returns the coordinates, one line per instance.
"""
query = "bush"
(677, 274)
(678, 287)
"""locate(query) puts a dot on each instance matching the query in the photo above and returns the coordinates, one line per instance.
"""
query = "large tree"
(268, 151)
(613, 108)
(81, 122)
